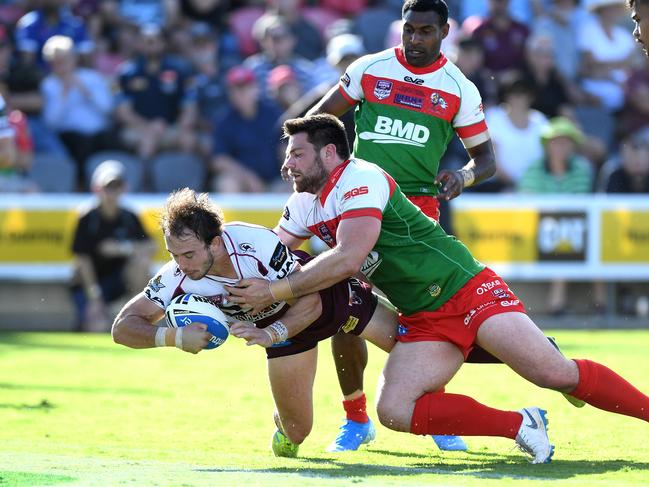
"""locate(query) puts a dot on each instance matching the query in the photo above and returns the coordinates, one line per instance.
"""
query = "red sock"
(453, 414)
(356, 410)
(599, 386)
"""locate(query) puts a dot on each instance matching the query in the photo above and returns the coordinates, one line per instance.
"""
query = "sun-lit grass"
(78, 409)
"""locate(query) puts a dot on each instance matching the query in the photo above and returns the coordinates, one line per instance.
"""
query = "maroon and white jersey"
(255, 252)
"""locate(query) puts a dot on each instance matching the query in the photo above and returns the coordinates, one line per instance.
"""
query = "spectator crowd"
(193, 92)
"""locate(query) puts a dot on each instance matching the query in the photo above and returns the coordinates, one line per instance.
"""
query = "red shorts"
(458, 320)
(429, 205)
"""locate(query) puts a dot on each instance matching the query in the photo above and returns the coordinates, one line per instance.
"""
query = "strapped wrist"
(281, 289)
(468, 176)
(161, 336)
(277, 332)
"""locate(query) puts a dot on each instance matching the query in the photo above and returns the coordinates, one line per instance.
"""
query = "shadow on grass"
(489, 466)
(28, 339)
(18, 479)
(66, 388)
(44, 405)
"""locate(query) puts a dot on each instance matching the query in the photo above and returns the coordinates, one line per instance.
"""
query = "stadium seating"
(133, 165)
(241, 22)
(174, 170)
(53, 174)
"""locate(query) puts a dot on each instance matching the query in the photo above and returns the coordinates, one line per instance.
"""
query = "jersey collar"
(333, 179)
(431, 68)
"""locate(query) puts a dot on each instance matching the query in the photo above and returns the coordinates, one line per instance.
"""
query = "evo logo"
(389, 131)
(417, 81)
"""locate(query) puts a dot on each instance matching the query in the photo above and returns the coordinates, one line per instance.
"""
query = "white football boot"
(532, 437)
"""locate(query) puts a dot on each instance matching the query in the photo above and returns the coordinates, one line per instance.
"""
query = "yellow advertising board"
(624, 236)
(498, 235)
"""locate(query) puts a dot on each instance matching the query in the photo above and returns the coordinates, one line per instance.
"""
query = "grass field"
(80, 410)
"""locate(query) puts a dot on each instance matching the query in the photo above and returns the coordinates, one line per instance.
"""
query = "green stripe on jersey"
(414, 262)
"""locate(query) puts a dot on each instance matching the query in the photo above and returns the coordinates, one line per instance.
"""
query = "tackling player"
(208, 254)
(410, 101)
(448, 301)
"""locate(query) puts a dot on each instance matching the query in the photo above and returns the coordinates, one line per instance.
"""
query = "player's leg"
(291, 381)
(517, 341)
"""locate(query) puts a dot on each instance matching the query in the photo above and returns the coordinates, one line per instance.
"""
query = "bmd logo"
(389, 131)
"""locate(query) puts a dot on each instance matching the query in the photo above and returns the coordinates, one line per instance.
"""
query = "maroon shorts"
(347, 306)
(458, 320)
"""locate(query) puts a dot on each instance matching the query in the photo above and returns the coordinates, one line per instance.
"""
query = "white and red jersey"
(345, 195)
(255, 252)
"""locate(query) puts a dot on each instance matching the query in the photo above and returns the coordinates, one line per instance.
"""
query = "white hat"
(595, 4)
(344, 45)
(106, 173)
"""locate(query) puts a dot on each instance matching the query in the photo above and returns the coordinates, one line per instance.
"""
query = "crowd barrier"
(521, 237)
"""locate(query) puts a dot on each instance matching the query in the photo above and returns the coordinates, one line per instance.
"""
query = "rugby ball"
(194, 308)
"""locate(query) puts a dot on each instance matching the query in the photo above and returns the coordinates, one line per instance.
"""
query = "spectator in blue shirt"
(53, 18)
(245, 149)
(156, 105)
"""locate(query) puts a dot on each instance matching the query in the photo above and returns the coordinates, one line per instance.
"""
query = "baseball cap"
(562, 127)
(280, 75)
(239, 76)
(107, 172)
(342, 46)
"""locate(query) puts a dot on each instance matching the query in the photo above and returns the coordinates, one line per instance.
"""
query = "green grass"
(80, 410)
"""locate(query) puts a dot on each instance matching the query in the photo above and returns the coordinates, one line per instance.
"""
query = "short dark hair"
(438, 6)
(321, 129)
(187, 211)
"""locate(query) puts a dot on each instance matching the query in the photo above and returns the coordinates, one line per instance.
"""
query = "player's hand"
(250, 333)
(254, 293)
(451, 184)
(195, 337)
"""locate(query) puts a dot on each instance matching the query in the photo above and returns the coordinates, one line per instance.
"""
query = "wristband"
(179, 338)
(281, 289)
(277, 332)
(468, 176)
(160, 335)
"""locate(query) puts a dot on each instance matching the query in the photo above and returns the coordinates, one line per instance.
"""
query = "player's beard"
(209, 262)
(314, 180)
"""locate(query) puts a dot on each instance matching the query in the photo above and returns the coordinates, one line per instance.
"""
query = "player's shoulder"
(244, 237)
(170, 270)
(454, 73)
(375, 60)
(362, 171)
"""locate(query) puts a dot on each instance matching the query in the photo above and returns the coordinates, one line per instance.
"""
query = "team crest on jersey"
(325, 235)
(382, 89)
(438, 102)
(286, 214)
(346, 80)
(247, 247)
(156, 284)
(434, 290)
(177, 271)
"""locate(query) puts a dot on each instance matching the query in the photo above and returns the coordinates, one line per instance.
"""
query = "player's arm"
(481, 166)
(355, 239)
(334, 102)
(288, 239)
(135, 327)
(301, 314)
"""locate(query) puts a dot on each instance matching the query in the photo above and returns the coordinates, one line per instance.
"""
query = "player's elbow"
(118, 331)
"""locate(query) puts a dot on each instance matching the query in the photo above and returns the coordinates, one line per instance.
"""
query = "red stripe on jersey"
(471, 130)
(374, 212)
(391, 182)
(408, 96)
(431, 68)
(326, 231)
(333, 179)
(349, 99)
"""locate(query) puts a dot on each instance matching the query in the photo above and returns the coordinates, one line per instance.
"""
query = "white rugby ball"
(194, 308)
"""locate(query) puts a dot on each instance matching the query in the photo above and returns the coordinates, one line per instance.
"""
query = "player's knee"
(563, 377)
(297, 433)
(389, 413)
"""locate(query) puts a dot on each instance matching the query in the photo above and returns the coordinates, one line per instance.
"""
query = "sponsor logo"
(417, 81)
(532, 424)
(402, 330)
(285, 343)
(326, 237)
(469, 315)
(176, 271)
(354, 299)
(346, 80)
(351, 323)
(409, 101)
(389, 131)
(500, 293)
(280, 254)
(382, 89)
(487, 286)
(155, 299)
(155, 284)
(437, 101)
(247, 247)
(355, 192)
(434, 290)
(372, 262)
(507, 303)
(286, 214)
